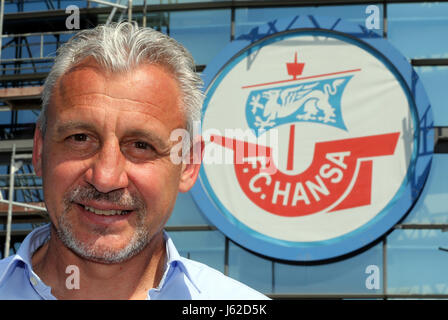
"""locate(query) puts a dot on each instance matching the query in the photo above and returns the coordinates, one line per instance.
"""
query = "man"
(102, 147)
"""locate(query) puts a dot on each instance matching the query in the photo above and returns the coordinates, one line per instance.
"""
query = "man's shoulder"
(5, 261)
(4, 266)
(7, 268)
(213, 284)
(34, 239)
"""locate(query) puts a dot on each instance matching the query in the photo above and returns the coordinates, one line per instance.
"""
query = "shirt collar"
(32, 242)
(175, 260)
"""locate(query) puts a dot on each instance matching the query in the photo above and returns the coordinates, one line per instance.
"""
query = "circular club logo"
(314, 139)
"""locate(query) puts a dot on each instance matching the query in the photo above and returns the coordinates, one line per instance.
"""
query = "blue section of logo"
(316, 101)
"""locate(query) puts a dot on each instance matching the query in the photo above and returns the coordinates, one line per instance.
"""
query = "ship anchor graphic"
(294, 69)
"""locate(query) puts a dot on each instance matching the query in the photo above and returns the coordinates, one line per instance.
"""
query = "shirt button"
(33, 281)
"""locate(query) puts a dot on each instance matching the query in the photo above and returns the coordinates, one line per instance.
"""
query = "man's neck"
(58, 268)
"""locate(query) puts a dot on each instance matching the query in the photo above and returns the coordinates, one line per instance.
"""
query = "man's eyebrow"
(73, 125)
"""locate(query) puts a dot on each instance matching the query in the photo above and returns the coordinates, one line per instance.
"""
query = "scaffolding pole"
(107, 3)
(10, 200)
(24, 205)
(144, 13)
(2, 13)
(130, 10)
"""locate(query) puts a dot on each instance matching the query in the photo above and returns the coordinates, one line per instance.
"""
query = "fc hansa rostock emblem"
(317, 139)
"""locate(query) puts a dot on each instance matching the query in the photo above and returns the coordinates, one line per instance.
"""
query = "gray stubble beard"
(138, 242)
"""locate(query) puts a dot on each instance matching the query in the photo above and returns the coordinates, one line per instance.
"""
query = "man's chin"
(106, 254)
(104, 249)
(101, 257)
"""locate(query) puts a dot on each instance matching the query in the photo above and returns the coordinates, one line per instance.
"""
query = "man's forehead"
(83, 80)
(143, 83)
(148, 89)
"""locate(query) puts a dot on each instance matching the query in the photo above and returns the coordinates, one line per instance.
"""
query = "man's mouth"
(105, 212)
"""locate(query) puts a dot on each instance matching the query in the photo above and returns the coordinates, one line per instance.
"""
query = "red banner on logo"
(339, 177)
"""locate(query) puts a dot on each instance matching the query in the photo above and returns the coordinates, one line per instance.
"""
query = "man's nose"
(107, 171)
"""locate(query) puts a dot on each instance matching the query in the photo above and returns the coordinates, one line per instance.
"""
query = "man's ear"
(37, 151)
(191, 166)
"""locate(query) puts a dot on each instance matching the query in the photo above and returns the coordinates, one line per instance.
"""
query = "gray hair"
(120, 47)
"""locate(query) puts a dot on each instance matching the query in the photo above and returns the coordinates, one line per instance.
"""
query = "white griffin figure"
(282, 103)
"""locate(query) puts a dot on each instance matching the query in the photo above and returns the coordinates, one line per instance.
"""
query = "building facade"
(407, 262)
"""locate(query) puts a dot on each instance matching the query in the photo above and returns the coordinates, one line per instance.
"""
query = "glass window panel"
(157, 20)
(415, 264)
(251, 269)
(5, 118)
(431, 206)
(204, 33)
(344, 276)
(27, 116)
(21, 226)
(8, 52)
(202, 246)
(434, 80)
(186, 212)
(30, 47)
(28, 6)
(16, 246)
(246, 19)
(419, 30)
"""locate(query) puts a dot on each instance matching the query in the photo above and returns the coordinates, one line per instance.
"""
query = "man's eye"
(80, 137)
(81, 144)
(142, 145)
(139, 151)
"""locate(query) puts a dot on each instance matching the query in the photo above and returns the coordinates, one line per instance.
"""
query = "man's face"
(108, 181)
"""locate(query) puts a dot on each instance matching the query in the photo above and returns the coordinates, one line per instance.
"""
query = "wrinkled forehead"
(145, 83)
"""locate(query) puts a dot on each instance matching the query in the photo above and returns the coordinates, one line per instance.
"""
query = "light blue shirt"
(183, 278)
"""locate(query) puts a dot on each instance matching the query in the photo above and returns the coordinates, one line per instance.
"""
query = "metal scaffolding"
(15, 166)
